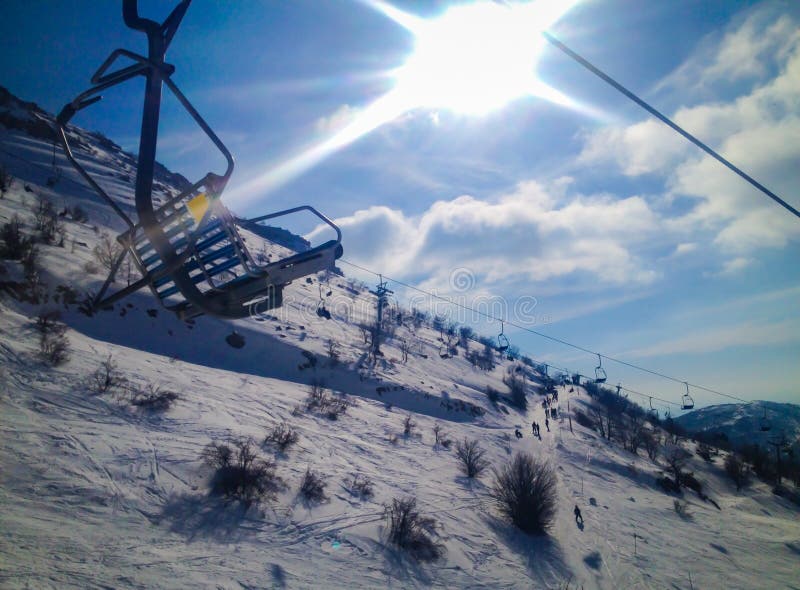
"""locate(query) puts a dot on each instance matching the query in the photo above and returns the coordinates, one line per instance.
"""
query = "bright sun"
(472, 59)
(476, 57)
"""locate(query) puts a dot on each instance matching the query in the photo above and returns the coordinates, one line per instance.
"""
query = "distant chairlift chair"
(189, 249)
(687, 403)
(502, 341)
(599, 372)
(653, 413)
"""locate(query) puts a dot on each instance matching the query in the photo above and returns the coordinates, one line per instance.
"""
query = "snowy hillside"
(99, 490)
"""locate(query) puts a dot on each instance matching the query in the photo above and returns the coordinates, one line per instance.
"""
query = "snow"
(95, 493)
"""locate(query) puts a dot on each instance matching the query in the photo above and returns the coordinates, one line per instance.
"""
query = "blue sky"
(629, 241)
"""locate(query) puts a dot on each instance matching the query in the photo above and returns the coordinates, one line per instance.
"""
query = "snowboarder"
(547, 424)
(517, 433)
(578, 515)
(533, 428)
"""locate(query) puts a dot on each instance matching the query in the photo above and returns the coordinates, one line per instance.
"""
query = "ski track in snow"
(95, 494)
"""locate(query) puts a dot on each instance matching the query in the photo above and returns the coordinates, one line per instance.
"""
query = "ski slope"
(95, 493)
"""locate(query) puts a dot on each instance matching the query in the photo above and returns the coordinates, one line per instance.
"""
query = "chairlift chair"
(322, 311)
(599, 372)
(502, 341)
(653, 412)
(55, 171)
(687, 403)
(189, 249)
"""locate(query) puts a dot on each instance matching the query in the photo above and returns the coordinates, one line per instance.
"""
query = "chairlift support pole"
(381, 292)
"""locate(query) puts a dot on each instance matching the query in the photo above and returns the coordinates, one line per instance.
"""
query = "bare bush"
(107, 377)
(78, 214)
(5, 181)
(153, 398)
(408, 426)
(107, 251)
(240, 473)
(15, 243)
(516, 387)
(705, 452)
(492, 394)
(405, 348)
(584, 419)
(632, 431)
(681, 509)
(359, 485)
(282, 436)
(411, 531)
(441, 437)
(320, 400)
(651, 444)
(676, 458)
(737, 470)
(333, 352)
(53, 341)
(471, 458)
(688, 480)
(48, 224)
(524, 491)
(312, 487)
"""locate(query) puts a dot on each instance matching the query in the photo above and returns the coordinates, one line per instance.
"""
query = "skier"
(533, 428)
(517, 433)
(578, 515)
(547, 424)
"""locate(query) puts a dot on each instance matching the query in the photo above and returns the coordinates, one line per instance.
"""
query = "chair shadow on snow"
(541, 554)
(263, 355)
(207, 517)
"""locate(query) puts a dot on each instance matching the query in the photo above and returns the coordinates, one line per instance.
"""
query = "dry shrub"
(359, 485)
(411, 531)
(312, 487)
(471, 458)
(240, 473)
(524, 491)
(282, 436)
(153, 398)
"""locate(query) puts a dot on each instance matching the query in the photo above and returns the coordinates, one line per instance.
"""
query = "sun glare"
(472, 59)
(478, 57)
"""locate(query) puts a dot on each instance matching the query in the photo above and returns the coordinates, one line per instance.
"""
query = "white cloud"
(642, 148)
(757, 129)
(535, 233)
(743, 52)
(735, 266)
(684, 248)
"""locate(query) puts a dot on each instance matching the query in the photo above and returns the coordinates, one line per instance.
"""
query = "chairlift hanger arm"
(324, 219)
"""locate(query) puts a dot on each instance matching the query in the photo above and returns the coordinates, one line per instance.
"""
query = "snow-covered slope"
(95, 493)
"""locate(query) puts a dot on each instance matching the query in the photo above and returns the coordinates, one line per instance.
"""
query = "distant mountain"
(741, 423)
